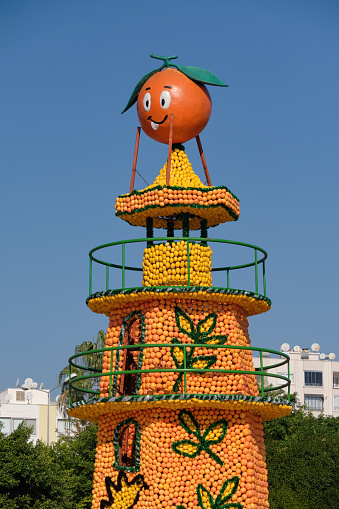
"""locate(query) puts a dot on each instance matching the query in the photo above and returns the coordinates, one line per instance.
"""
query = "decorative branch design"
(214, 434)
(199, 334)
(124, 494)
(228, 489)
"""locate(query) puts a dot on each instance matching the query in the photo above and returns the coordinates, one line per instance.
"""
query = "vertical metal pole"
(135, 158)
(69, 386)
(264, 277)
(149, 231)
(289, 384)
(170, 142)
(262, 376)
(107, 277)
(48, 417)
(203, 160)
(90, 275)
(228, 278)
(123, 264)
(188, 264)
(110, 377)
(185, 385)
(256, 271)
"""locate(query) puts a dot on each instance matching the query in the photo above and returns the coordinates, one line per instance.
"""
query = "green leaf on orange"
(138, 87)
(201, 75)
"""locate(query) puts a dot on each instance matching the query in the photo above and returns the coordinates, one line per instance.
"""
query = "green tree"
(46, 477)
(302, 458)
(29, 476)
(90, 362)
(77, 455)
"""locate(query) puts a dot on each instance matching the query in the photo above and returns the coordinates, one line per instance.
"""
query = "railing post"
(90, 275)
(203, 231)
(110, 376)
(228, 278)
(188, 264)
(264, 277)
(135, 158)
(203, 160)
(256, 272)
(107, 277)
(170, 142)
(123, 265)
(185, 382)
(149, 230)
(262, 376)
(69, 383)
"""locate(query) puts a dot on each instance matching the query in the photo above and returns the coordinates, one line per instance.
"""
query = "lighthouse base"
(180, 457)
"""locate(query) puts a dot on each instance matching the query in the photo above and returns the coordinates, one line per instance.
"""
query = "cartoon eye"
(147, 101)
(165, 99)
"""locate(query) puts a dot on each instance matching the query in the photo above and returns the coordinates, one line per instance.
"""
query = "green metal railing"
(85, 383)
(255, 263)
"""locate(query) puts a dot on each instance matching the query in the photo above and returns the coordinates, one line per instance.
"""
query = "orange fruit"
(170, 91)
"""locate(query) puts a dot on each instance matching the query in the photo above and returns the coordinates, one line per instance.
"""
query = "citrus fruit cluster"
(182, 173)
(105, 302)
(160, 325)
(185, 193)
(171, 478)
(166, 264)
(268, 409)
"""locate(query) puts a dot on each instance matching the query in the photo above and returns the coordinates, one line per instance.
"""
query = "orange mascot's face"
(170, 91)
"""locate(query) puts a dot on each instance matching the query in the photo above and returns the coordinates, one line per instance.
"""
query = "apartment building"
(33, 407)
(314, 377)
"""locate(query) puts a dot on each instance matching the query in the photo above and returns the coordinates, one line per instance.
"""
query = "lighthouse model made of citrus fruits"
(179, 408)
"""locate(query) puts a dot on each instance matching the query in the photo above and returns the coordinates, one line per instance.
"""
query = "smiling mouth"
(155, 124)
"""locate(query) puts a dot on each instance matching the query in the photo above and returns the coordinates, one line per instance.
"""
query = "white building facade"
(314, 377)
(35, 409)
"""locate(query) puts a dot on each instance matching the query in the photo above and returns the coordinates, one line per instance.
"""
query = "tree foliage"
(302, 458)
(46, 477)
(90, 362)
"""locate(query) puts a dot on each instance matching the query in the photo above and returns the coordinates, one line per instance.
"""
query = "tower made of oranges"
(179, 408)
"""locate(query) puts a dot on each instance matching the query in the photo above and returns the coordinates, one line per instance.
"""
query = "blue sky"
(67, 71)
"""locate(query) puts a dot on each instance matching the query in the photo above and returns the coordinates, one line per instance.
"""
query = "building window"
(335, 379)
(258, 379)
(314, 403)
(62, 426)
(336, 403)
(66, 426)
(6, 425)
(20, 396)
(286, 375)
(15, 423)
(11, 424)
(314, 378)
(31, 423)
